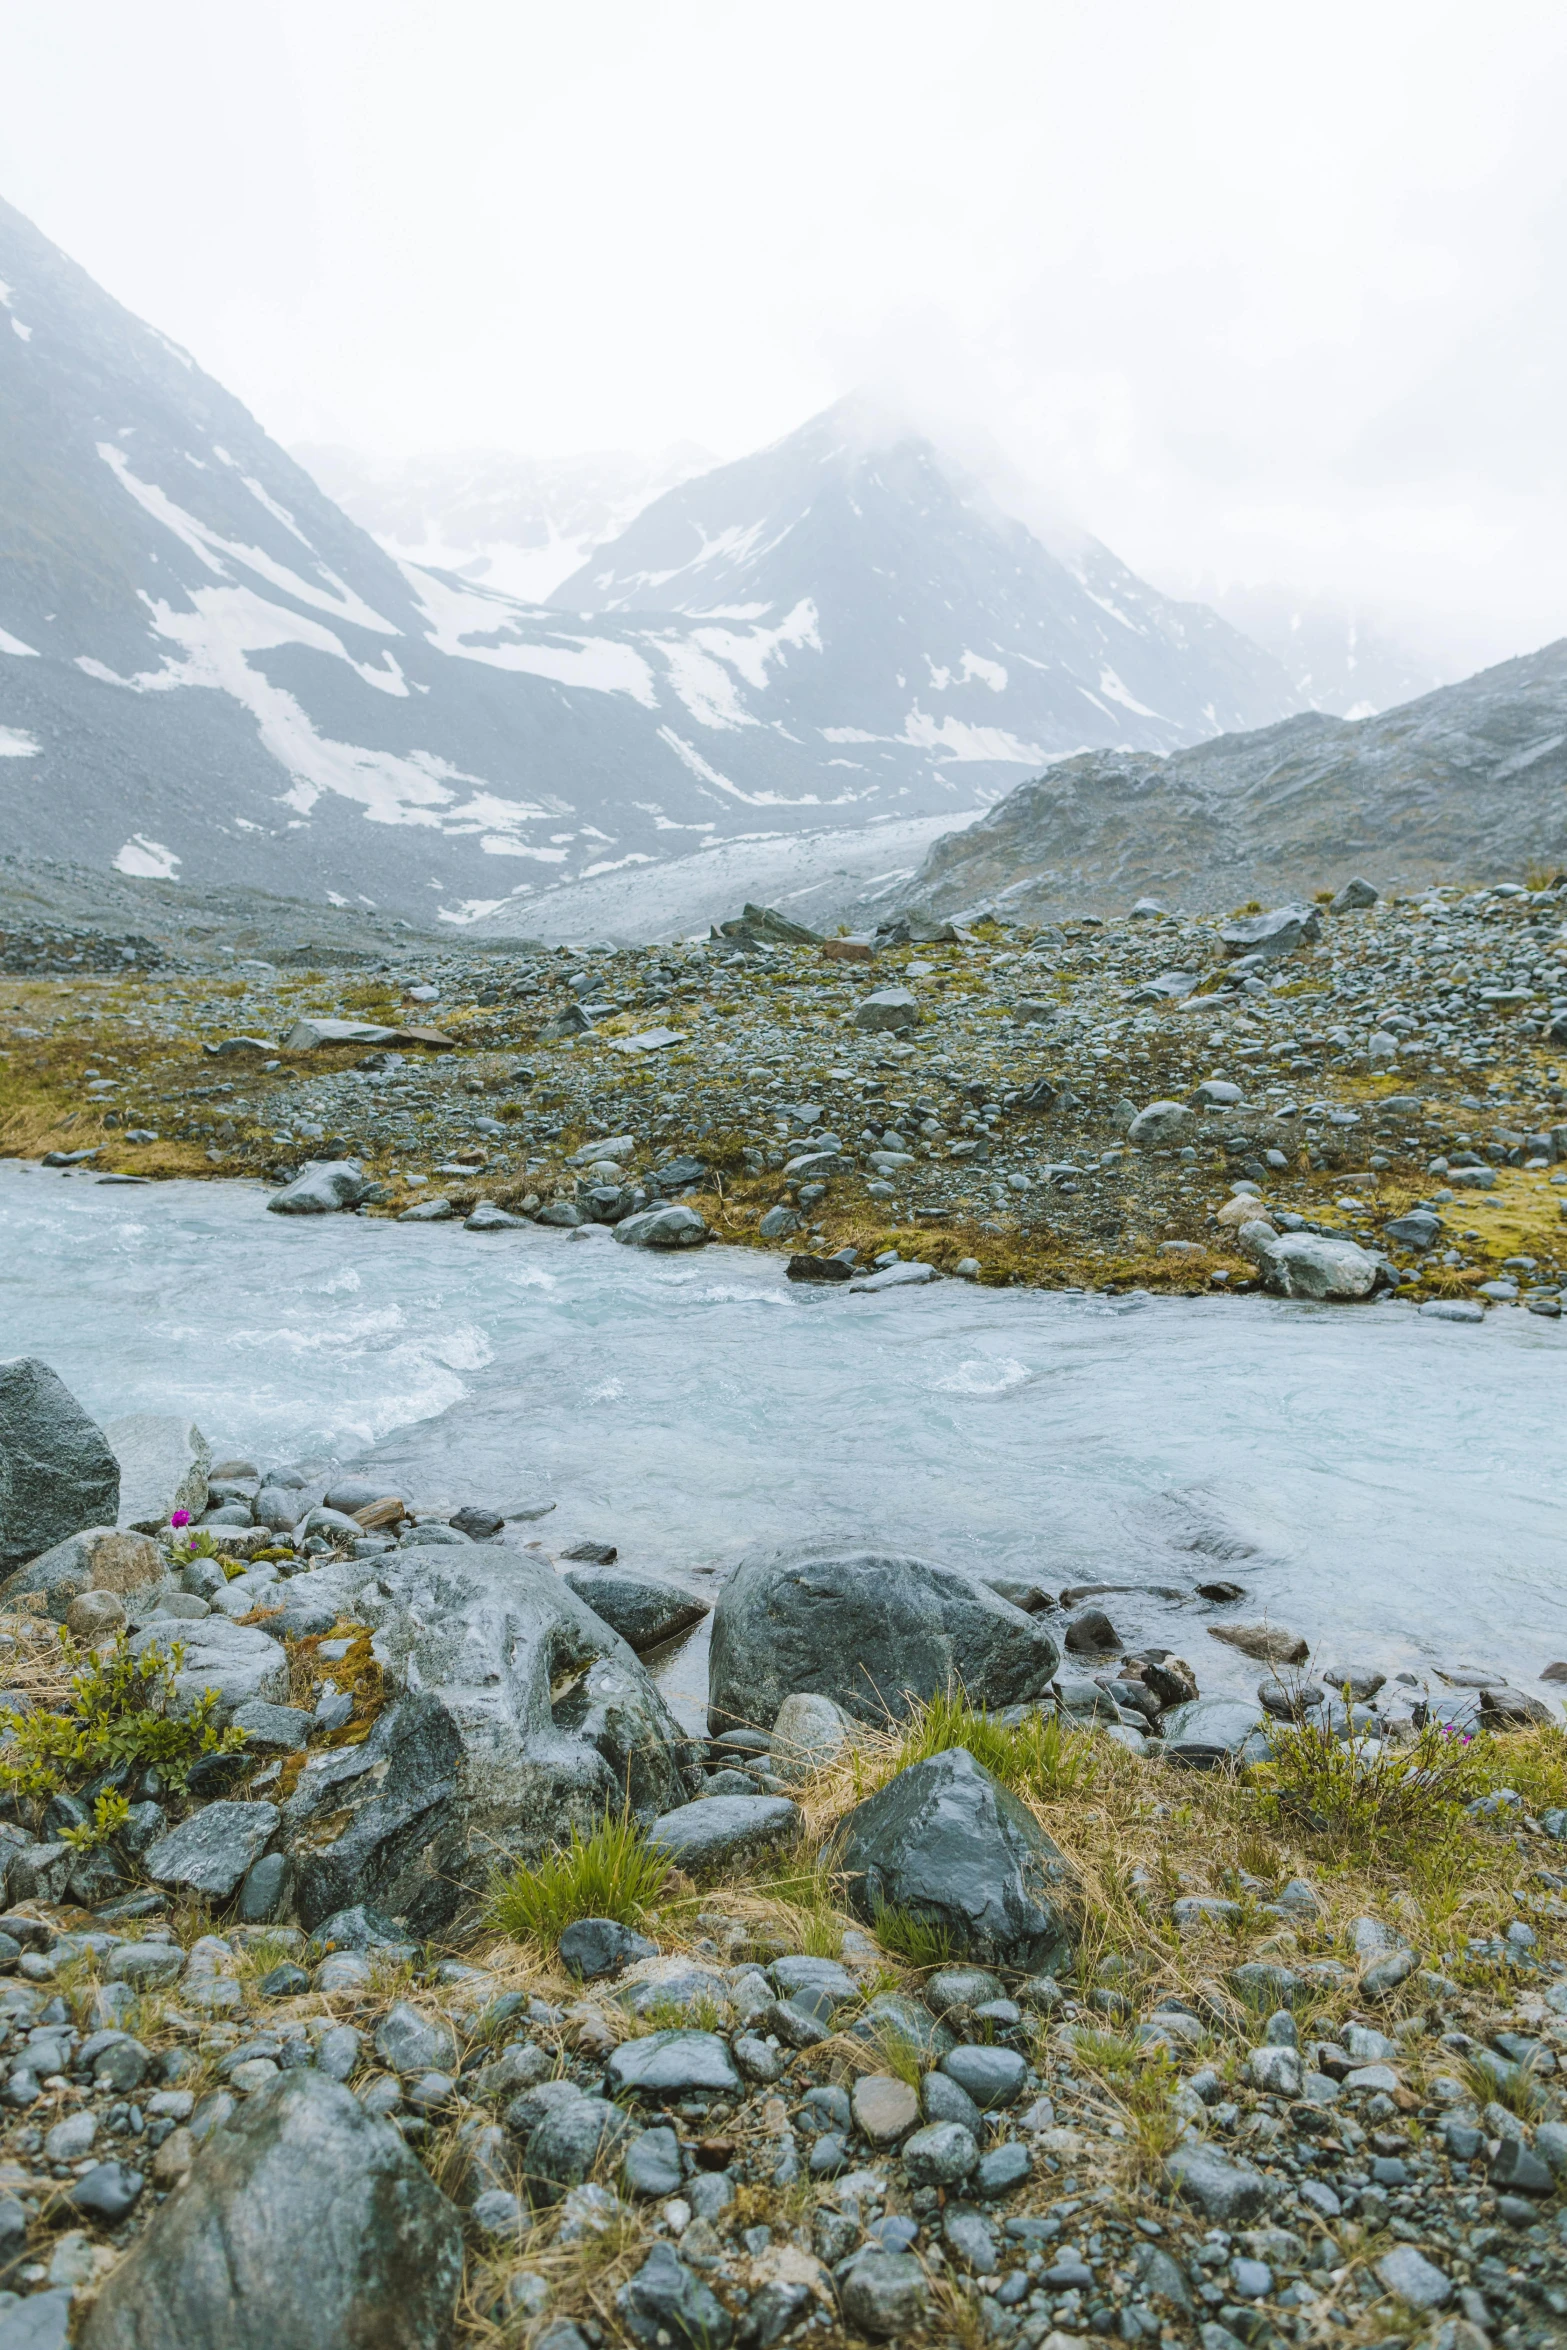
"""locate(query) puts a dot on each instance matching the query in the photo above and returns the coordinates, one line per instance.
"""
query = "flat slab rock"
(719, 1828)
(640, 1608)
(670, 2063)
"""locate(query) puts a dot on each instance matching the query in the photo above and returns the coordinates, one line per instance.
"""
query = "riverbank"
(984, 1113)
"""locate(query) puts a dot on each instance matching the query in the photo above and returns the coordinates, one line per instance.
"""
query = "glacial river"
(1392, 1487)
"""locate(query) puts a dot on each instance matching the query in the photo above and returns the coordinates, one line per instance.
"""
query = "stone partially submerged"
(1308, 1264)
(948, 1844)
(874, 1631)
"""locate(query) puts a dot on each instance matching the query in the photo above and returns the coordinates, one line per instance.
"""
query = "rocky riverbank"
(381, 1961)
(1083, 1103)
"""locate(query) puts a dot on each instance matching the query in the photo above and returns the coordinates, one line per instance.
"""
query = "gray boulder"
(641, 1609)
(325, 1186)
(516, 1715)
(1161, 1124)
(1308, 1264)
(164, 1461)
(871, 1630)
(947, 1843)
(1224, 2191)
(1278, 932)
(666, 2303)
(98, 1559)
(890, 1008)
(1353, 896)
(810, 1732)
(668, 1227)
(1210, 1731)
(58, 1472)
(236, 1661)
(304, 2221)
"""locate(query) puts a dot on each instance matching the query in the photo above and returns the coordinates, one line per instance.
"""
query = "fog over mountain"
(208, 669)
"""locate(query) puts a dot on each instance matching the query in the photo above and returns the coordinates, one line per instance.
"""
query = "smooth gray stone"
(593, 1947)
(873, 1631)
(967, 2235)
(940, 2155)
(570, 2141)
(959, 1986)
(38, 2321)
(1413, 2278)
(669, 2063)
(58, 1471)
(1002, 2170)
(666, 2304)
(892, 2015)
(1221, 2189)
(1208, 1731)
(273, 1729)
(673, 1226)
(943, 2099)
(322, 1189)
(945, 1841)
(410, 2042)
(238, 1661)
(721, 1828)
(652, 2165)
(886, 2295)
(992, 2076)
(304, 2221)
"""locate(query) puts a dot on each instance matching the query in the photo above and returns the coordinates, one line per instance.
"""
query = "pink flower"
(180, 1518)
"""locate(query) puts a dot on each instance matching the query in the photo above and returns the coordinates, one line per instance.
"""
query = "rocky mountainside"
(1468, 780)
(521, 524)
(1337, 658)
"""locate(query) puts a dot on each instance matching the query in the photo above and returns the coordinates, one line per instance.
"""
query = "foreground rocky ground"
(1075, 1103)
(382, 1963)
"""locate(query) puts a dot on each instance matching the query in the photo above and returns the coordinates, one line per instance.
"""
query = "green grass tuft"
(611, 1873)
(918, 1941)
(1036, 1756)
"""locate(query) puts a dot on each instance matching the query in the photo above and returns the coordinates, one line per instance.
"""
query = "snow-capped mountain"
(208, 670)
(922, 618)
(520, 524)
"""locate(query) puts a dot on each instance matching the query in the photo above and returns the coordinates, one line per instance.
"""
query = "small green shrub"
(109, 1815)
(611, 1873)
(119, 1720)
(1359, 1799)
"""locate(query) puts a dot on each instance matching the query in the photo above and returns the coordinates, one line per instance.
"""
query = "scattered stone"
(1224, 2191)
(593, 1947)
(1413, 2278)
(1268, 1642)
(885, 2109)
(675, 1226)
(885, 2295)
(671, 2063)
(665, 2303)
(208, 1853)
(323, 1189)
(98, 1559)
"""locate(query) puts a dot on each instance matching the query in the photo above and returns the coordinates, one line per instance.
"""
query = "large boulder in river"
(58, 1472)
(304, 2221)
(325, 1186)
(640, 1608)
(164, 1459)
(947, 1843)
(516, 1715)
(872, 1630)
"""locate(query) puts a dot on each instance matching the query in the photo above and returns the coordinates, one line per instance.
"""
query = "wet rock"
(1091, 1633)
(872, 1631)
(670, 2064)
(779, 1223)
(947, 1843)
(97, 1559)
(208, 1853)
(1269, 1643)
(163, 1468)
(666, 2303)
(942, 2099)
(58, 1473)
(1224, 2191)
(675, 1226)
(238, 1661)
(885, 2295)
(991, 2076)
(594, 1947)
(641, 1609)
(940, 2155)
(888, 1009)
(322, 1189)
(481, 1759)
(1161, 1125)
(1413, 2278)
(303, 2221)
(572, 2141)
(809, 1733)
(1212, 1731)
(1308, 1264)
(720, 1829)
(1002, 2171)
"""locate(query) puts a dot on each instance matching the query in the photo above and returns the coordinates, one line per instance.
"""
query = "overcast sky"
(1255, 292)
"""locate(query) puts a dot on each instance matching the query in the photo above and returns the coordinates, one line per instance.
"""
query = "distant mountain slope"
(937, 621)
(209, 672)
(520, 524)
(1337, 659)
(1467, 782)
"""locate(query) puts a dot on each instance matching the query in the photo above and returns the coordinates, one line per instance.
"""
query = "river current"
(1388, 1485)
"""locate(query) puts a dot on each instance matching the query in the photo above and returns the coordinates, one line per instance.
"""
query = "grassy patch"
(918, 1941)
(610, 1873)
(1359, 1799)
